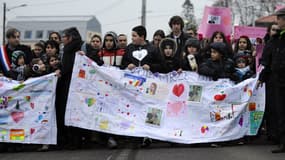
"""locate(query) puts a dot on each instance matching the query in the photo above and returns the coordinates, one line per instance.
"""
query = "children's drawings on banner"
(27, 113)
(179, 108)
(215, 19)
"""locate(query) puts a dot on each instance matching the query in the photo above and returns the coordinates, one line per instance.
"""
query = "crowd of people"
(181, 50)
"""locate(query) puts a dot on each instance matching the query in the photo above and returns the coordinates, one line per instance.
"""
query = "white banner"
(182, 108)
(27, 112)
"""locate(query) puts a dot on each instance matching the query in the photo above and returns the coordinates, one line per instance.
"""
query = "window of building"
(39, 34)
(48, 33)
(28, 35)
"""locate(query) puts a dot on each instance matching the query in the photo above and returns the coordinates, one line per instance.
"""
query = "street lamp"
(4, 17)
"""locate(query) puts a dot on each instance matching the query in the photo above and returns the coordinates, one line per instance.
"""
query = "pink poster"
(251, 32)
(279, 6)
(215, 19)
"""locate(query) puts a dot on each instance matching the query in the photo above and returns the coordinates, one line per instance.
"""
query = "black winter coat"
(273, 60)
(218, 69)
(152, 57)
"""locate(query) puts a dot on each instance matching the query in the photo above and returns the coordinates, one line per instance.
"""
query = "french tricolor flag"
(4, 59)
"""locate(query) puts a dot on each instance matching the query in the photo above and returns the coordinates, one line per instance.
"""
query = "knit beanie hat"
(220, 47)
(16, 55)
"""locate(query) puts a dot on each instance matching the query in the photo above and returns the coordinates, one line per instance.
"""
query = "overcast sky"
(116, 15)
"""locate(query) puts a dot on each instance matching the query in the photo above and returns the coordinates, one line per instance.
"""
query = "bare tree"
(188, 14)
(246, 11)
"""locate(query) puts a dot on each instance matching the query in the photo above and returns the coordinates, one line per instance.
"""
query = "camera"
(36, 67)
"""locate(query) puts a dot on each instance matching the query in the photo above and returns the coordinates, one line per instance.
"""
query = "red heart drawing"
(32, 130)
(17, 116)
(178, 89)
(32, 105)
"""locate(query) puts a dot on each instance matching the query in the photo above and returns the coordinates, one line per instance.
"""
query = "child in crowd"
(140, 47)
(218, 66)
(218, 36)
(244, 45)
(54, 64)
(110, 53)
(39, 50)
(19, 68)
(37, 68)
(169, 62)
(192, 57)
(96, 42)
(243, 70)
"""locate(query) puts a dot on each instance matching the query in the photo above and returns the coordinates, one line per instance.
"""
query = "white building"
(35, 28)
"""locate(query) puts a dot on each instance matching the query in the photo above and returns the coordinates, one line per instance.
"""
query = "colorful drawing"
(204, 129)
(28, 98)
(17, 134)
(4, 102)
(18, 87)
(135, 80)
(178, 89)
(220, 97)
(90, 101)
(251, 106)
(81, 74)
(255, 121)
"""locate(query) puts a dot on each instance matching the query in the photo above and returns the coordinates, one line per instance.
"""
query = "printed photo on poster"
(212, 19)
(151, 90)
(153, 116)
(195, 93)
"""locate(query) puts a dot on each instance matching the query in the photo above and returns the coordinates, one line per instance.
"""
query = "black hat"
(192, 42)
(279, 12)
(220, 47)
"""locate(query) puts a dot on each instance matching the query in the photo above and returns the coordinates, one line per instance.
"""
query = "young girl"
(192, 57)
(218, 66)
(242, 68)
(54, 64)
(244, 45)
(168, 62)
(110, 53)
(218, 36)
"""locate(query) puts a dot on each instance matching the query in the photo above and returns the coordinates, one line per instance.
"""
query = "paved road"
(256, 150)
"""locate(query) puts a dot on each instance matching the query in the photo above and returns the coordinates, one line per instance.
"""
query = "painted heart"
(174, 108)
(32, 105)
(32, 130)
(17, 116)
(139, 55)
(178, 89)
